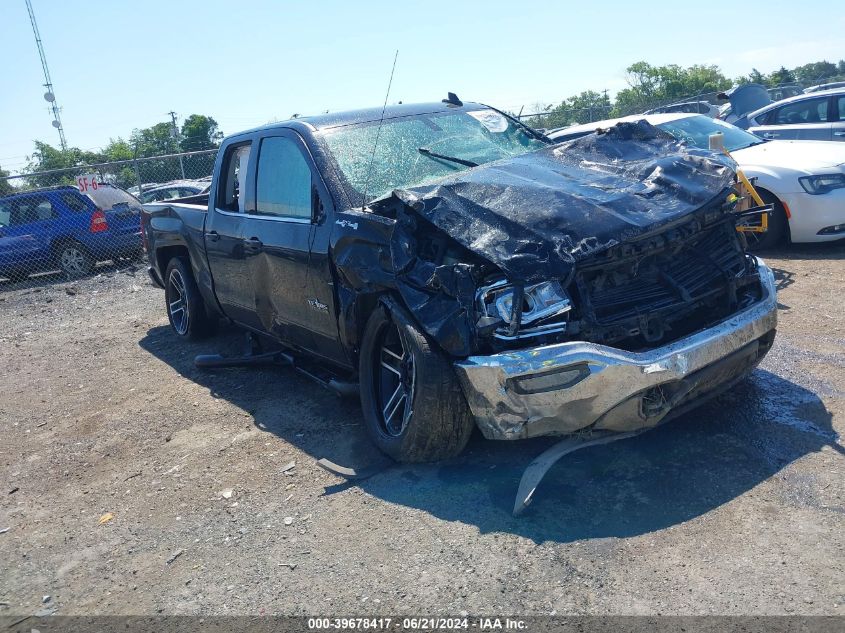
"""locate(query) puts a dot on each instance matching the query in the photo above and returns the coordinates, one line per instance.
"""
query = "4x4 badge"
(315, 303)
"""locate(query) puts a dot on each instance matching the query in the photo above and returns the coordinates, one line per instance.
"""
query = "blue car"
(61, 227)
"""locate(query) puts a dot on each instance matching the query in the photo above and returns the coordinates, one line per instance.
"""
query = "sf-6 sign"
(87, 182)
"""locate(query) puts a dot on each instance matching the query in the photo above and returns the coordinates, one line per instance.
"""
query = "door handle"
(213, 236)
(770, 135)
(839, 133)
(253, 244)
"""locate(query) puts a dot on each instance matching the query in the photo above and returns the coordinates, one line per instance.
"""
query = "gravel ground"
(132, 483)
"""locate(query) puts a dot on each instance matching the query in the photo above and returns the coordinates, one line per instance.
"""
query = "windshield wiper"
(460, 161)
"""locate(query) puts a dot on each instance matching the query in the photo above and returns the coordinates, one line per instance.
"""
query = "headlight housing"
(544, 308)
(822, 183)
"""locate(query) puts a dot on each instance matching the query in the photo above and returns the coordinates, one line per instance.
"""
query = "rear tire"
(413, 405)
(778, 226)
(186, 310)
(74, 259)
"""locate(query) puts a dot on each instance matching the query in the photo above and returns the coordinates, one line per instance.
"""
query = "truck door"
(224, 244)
(286, 240)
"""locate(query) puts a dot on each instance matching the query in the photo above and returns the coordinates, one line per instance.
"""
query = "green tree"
(49, 158)
(781, 76)
(815, 72)
(5, 186)
(583, 108)
(651, 86)
(200, 132)
(154, 141)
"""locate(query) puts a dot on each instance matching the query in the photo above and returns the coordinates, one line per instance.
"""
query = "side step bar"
(254, 357)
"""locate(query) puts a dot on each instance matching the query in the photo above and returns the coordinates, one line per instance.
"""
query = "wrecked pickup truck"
(457, 269)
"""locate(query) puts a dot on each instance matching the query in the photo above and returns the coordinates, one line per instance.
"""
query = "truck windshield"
(417, 149)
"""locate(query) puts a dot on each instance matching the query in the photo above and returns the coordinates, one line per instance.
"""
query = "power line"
(49, 96)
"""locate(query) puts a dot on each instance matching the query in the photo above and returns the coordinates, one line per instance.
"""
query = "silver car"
(818, 116)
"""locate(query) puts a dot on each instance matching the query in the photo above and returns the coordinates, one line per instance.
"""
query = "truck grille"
(647, 293)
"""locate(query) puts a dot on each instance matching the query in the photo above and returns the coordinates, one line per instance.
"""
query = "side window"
(233, 175)
(30, 209)
(840, 107)
(807, 111)
(44, 210)
(73, 202)
(5, 215)
(284, 180)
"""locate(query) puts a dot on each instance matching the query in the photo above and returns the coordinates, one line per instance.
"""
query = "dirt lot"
(736, 508)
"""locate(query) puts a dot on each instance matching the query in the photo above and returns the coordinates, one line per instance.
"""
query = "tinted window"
(74, 202)
(30, 209)
(5, 214)
(840, 106)
(807, 111)
(284, 180)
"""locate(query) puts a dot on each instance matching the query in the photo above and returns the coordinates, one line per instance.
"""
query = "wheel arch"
(164, 254)
(767, 192)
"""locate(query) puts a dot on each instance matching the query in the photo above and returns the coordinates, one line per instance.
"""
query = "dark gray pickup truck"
(461, 270)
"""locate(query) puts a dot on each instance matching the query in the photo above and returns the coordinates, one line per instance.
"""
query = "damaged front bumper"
(563, 388)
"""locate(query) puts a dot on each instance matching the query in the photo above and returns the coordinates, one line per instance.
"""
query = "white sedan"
(805, 180)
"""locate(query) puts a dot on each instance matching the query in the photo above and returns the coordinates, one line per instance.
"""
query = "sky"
(118, 65)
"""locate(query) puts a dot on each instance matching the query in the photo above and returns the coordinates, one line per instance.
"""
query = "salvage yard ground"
(133, 483)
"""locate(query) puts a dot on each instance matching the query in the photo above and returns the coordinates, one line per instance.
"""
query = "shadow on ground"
(662, 478)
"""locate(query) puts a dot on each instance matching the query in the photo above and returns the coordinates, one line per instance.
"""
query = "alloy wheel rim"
(73, 261)
(177, 303)
(394, 380)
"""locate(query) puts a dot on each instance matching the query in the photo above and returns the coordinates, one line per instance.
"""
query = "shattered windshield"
(696, 130)
(418, 149)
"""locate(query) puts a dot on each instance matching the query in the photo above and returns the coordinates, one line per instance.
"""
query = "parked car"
(827, 86)
(695, 107)
(805, 180)
(784, 91)
(818, 116)
(173, 190)
(465, 269)
(61, 227)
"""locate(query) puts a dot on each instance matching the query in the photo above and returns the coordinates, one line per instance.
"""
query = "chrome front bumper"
(563, 388)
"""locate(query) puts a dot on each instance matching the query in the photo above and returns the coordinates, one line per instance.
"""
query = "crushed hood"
(536, 215)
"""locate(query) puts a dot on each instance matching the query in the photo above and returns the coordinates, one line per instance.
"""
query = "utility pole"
(49, 96)
(175, 134)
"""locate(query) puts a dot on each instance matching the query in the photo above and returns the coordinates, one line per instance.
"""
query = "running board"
(255, 358)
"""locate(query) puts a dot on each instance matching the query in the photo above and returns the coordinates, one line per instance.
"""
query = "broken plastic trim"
(541, 464)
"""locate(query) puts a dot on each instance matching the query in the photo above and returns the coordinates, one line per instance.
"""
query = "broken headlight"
(544, 308)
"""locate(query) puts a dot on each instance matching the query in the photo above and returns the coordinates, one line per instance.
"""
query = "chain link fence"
(73, 221)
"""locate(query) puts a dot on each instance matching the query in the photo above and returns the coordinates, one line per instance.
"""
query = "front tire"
(186, 309)
(413, 405)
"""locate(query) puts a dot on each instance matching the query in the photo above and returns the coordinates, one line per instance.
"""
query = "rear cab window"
(230, 192)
